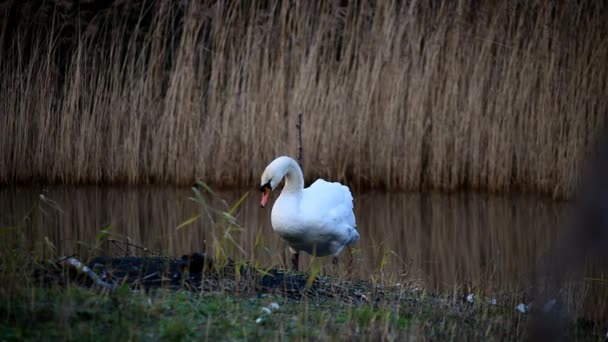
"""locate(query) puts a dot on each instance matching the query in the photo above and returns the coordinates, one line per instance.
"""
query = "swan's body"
(318, 219)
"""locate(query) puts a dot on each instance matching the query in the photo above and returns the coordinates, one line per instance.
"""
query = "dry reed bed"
(412, 95)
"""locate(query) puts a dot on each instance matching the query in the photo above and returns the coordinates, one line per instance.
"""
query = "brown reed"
(500, 96)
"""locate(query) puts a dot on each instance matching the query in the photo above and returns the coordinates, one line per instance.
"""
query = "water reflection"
(443, 241)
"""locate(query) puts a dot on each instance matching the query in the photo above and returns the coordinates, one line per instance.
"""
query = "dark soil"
(197, 272)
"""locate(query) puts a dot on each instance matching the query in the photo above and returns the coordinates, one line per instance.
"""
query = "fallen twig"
(129, 244)
(92, 275)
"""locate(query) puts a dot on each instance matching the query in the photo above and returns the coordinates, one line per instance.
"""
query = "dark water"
(457, 241)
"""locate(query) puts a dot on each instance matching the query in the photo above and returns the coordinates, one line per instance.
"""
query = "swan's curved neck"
(294, 179)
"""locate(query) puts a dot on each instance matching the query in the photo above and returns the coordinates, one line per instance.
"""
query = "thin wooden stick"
(299, 129)
(129, 244)
(295, 258)
(116, 243)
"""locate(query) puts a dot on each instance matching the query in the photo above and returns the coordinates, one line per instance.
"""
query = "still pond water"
(441, 241)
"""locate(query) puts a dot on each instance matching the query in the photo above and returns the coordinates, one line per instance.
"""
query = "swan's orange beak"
(265, 197)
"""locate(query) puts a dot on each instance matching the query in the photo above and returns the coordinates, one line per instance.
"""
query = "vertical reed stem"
(299, 128)
(295, 258)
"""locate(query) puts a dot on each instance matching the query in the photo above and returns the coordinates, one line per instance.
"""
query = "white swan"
(318, 219)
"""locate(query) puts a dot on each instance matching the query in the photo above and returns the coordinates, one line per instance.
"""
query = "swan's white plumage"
(318, 219)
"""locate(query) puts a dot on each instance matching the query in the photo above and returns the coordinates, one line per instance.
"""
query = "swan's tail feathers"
(354, 236)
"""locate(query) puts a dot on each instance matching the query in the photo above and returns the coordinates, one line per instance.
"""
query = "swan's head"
(272, 176)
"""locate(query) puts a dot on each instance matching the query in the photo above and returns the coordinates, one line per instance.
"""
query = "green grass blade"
(188, 222)
(238, 204)
(198, 196)
(315, 269)
(206, 187)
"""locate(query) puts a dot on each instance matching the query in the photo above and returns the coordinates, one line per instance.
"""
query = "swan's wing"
(331, 206)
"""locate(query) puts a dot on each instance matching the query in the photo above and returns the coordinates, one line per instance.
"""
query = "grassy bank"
(83, 314)
(239, 297)
(71, 310)
(412, 95)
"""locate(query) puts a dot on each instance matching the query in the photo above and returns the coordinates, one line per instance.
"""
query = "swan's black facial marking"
(265, 186)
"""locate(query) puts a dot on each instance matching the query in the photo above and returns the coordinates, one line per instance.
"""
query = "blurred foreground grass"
(84, 314)
(78, 313)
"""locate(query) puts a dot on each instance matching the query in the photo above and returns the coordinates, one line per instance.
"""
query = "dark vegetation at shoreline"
(400, 96)
(46, 294)
(159, 298)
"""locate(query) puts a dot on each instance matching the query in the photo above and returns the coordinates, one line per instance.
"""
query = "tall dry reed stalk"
(402, 95)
